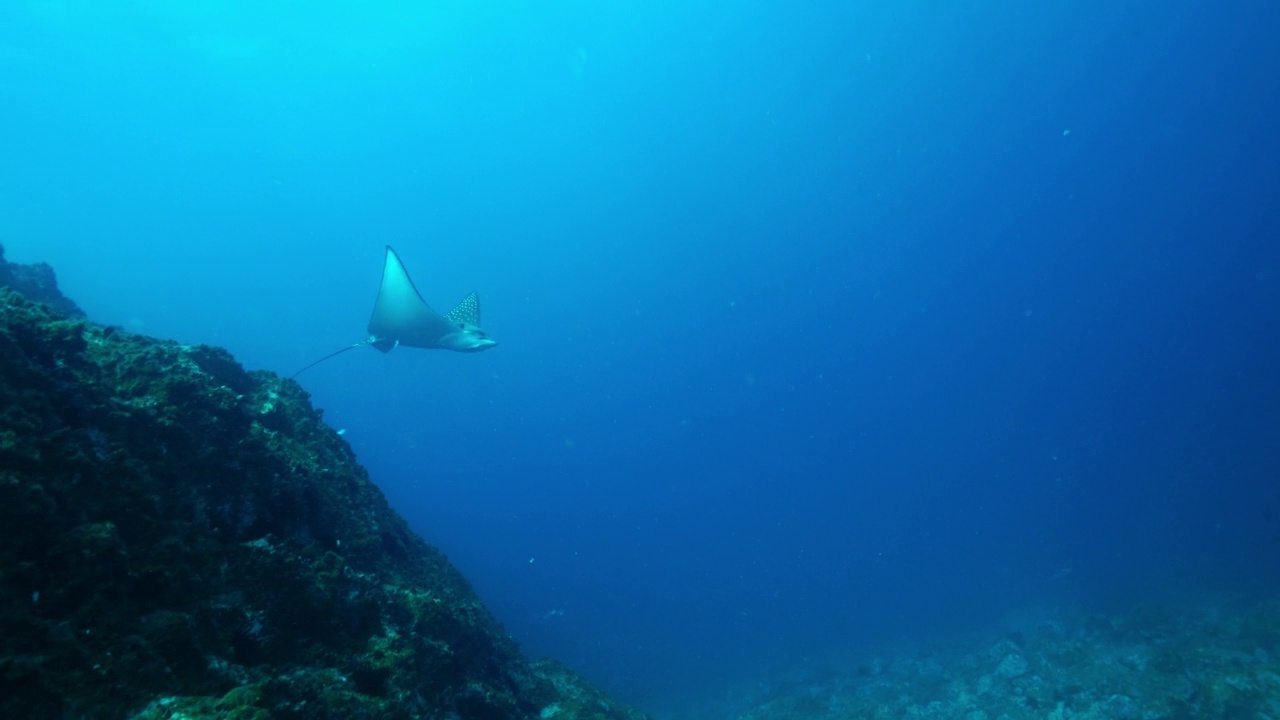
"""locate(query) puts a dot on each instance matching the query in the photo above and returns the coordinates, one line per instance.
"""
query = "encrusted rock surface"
(37, 282)
(185, 539)
(1216, 660)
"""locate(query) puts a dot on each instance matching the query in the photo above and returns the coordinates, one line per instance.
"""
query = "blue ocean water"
(821, 325)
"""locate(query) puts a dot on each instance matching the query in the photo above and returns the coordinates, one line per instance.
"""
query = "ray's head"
(467, 338)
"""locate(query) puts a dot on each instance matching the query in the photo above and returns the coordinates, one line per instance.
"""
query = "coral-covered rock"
(38, 283)
(182, 538)
(1189, 663)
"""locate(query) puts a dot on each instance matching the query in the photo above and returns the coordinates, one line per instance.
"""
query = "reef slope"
(182, 538)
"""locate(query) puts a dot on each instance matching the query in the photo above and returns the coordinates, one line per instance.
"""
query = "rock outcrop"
(182, 538)
(37, 282)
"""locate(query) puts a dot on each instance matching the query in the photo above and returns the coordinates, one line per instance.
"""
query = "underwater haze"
(821, 325)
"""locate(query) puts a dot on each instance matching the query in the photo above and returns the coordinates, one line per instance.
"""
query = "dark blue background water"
(822, 324)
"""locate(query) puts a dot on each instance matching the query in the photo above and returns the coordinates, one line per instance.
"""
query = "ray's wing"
(400, 315)
(467, 311)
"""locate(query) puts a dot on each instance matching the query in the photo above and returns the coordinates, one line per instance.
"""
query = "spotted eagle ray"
(402, 317)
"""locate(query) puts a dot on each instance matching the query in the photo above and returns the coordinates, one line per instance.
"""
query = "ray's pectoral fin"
(400, 315)
(467, 312)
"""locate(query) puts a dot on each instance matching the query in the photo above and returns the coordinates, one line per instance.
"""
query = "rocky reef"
(1213, 660)
(39, 283)
(185, 539)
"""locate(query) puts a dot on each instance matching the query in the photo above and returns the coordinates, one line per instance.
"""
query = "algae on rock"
(186, 539)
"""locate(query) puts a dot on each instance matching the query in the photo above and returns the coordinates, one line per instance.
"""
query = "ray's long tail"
(335, 353)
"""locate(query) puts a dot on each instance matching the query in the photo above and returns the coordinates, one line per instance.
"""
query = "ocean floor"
(1208, 661)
